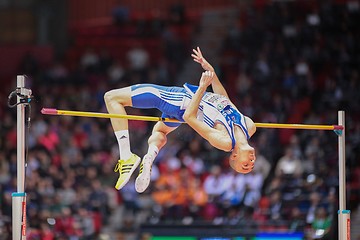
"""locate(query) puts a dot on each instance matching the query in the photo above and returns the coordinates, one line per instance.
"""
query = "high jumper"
(211, 114)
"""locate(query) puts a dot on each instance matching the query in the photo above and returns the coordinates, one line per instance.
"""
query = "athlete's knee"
(158, 138)
(109, 96)
(121, 96)
(162, 137)
(159, 134)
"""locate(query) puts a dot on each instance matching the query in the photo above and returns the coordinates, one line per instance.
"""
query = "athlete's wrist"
(202, 88)
(209, 68)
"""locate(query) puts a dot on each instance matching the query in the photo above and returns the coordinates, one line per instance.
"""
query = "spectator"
(288, 164)
(138, 58)
(314, 205)
(197, 198)
(105, 60)
(67, 192)
(262, 166)
(310, 163)
(276, 206)
(66, 226)
(321, 225)
(89, 60)
(116, 73)
(58, 73)
(235, 191)
(4, 169)
(130, 199)
(253, 184)
(214, 184)
(297, 223)
(192, 159)
(98, 200)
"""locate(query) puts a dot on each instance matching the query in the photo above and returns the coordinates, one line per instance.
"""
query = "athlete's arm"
(215, 84)
(213, 136)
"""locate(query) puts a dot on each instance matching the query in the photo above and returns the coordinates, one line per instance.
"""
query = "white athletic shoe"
(143, 180)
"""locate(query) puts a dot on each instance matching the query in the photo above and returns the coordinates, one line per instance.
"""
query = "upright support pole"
(19, 197)
(343, 214)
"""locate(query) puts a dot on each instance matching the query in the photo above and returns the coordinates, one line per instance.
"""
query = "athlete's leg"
(116, 100)
(166, 99)
(156, 141)
(159, 134)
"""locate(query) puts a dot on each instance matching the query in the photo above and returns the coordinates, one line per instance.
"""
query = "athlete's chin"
(238, 166)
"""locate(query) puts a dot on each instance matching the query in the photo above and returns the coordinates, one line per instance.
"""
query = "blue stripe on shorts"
(166, 99)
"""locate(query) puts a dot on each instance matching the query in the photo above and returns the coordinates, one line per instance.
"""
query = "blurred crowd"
(284, 62)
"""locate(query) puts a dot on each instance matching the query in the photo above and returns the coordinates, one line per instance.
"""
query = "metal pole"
(344, 215)
(18, 198)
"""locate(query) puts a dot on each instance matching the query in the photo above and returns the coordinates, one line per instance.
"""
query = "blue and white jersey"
(215, 107)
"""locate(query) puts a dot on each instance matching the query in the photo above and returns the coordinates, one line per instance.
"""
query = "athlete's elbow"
(186, 116)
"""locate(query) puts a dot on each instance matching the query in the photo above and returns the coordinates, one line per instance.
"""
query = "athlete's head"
(242, 158)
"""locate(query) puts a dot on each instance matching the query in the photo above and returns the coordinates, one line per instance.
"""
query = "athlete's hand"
(206, 79)
(198, 57)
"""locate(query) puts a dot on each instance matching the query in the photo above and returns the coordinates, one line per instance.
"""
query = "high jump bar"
(53, 111)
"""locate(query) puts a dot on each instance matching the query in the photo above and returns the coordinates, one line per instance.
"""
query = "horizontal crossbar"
(53, 111)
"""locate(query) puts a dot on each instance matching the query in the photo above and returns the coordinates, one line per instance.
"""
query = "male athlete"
(211, 115)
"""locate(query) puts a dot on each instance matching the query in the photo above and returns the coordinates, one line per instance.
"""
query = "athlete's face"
(242, 160)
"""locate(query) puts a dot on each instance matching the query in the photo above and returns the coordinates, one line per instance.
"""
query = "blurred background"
(287, 61)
